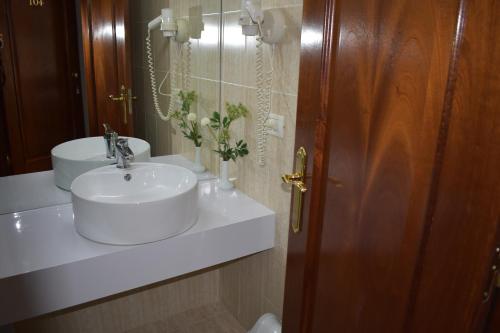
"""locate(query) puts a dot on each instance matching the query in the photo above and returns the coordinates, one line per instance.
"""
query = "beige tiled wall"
(254, 285)
(132, 310)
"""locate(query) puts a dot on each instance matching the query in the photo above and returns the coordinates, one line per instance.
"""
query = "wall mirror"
(68, 67)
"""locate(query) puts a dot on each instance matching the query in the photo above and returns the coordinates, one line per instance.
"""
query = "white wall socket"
(276, 125)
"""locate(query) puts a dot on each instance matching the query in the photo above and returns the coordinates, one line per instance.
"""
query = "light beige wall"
(205, 75)
(254, 285)
(147, 124)
(133, 310)
(165, 137)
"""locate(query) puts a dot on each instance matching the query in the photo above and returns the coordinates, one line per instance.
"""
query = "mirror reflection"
(100, 71)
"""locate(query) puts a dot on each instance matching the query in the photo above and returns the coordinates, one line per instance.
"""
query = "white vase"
(198, 166)
(224, 182)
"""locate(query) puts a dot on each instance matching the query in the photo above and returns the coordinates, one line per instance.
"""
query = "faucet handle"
(123, 148)
(107, 128)
(110, 137)
(124, 154)
(109, 131)
(122, 143)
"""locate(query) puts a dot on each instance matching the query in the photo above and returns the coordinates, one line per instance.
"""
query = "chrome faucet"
(110, 138)
(124, 154)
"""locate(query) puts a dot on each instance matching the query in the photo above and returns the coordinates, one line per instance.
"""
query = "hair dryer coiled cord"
(264, 82)
(186, 67)
(154, 92)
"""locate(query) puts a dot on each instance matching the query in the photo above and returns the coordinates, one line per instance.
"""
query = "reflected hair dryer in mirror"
(176, 30)
(169, 26)
(268, 27)
(251, 17)
(166, 22)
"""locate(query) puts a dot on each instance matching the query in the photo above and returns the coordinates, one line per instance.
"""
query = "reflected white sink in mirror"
(71, 159)
(144, 203)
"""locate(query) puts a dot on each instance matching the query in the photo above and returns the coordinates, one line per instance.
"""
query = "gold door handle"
(297, 179)
(126, 99)
(116, 99)
(130, 98)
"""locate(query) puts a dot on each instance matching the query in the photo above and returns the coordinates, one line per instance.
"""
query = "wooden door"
(41, 93)
(4, 141)
(401, 218)
(107, 55)
(493, 319)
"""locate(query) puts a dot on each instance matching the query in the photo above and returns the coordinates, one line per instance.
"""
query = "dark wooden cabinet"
(402, 215)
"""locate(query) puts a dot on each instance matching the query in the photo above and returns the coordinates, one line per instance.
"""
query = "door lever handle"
(126, 100)
(116, 99)
(295, 179)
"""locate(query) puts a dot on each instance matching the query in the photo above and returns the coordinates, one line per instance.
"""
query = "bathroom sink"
(71, 159)
(144, 203)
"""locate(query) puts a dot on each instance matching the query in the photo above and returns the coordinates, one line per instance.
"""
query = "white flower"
(191, 116)
(205, 121)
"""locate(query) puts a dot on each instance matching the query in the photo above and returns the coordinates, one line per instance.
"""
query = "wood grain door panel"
(405, 116)
(4, 141)
(43, 107)
(462, 236)
(387, 98)
(108, 62)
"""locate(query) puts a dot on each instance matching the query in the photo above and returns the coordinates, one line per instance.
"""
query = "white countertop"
(46, 266)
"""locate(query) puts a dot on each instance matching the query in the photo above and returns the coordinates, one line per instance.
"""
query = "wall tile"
(133, 310)
(287, 54)
(206, 50)
(251, 289)
(238, 53)
(230, 286)
(231, 5)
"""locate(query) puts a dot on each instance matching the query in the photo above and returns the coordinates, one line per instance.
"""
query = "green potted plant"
(189, 125)
(227, 148)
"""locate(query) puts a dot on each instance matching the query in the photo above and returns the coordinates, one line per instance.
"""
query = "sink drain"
(127, 177)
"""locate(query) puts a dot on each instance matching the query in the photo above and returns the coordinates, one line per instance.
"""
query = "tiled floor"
(213, 318)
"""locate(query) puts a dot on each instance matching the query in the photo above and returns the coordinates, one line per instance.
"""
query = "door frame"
(317, 59)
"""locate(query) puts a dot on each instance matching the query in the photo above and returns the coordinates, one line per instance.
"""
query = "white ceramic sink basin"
(71, 159)
(145, 203)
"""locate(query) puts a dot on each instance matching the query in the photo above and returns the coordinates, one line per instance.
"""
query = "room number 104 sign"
(36, 3)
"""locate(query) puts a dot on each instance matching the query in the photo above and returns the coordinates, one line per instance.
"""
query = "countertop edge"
(55, 288)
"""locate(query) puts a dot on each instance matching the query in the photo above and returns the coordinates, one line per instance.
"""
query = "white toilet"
(267, 323)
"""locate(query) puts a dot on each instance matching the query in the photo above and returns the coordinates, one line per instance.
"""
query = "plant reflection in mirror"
(219, 128)
(187, 120)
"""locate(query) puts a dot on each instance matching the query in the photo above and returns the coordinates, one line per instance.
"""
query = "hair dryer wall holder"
(170, 26)
(268, 24)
